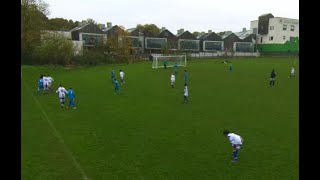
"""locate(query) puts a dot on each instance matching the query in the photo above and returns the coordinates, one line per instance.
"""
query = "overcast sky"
(191, 15)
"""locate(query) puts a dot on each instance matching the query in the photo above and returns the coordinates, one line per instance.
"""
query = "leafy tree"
(33, 20)
(150, 27)
(54, 49)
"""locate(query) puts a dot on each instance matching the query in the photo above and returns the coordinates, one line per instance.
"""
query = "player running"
(173, 79)
(185, 93)
(62, 93)
(40, 85)
(116, 87)
(71, 96)
(185, 76)
(112, 76)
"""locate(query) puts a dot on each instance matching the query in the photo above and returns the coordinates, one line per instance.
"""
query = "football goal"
(159, 61)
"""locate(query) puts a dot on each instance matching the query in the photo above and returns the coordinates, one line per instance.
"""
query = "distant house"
(90, 34)
(229, 39)
(211, 42)
(172, 40)
(187, 42)
(113, 31)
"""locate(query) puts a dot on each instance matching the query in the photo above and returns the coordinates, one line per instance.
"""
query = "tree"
(54, 49)
(119, 47)
(195, 33)
(33, 20)
(150, 27)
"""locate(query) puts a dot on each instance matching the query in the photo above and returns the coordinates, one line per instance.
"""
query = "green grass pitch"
(147, 132)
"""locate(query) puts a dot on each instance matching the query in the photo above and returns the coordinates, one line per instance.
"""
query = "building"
(90, 34)
(210, 42)
(187, 42)
(172, 43)
(274, 30)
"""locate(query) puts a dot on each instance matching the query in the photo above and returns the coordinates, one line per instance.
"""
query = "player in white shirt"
(45, 83)
(292, 74)
(173, 80)
(185, 93)
(122, 76)
(50, 80)
(62, 94)
(236, 142)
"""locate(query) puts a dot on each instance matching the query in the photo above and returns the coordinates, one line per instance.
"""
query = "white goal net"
(160, 61)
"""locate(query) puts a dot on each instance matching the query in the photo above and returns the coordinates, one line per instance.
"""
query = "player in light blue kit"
(71, 96)
(175, 68)
(116, 86)
(40, 85)
(112, 76)
(230, 67)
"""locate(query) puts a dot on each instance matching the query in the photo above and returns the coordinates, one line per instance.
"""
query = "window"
(255, 30)
(292, 28)
(284, 38)
(284, 27)
(271, 27)
(271, 38)
(261, 40)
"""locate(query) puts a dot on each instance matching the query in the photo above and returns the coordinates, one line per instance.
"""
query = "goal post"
(158, 61)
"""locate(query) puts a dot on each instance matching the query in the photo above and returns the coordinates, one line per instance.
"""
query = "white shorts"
(272, 79)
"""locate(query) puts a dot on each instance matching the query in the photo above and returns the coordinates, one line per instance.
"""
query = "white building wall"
(276, 31)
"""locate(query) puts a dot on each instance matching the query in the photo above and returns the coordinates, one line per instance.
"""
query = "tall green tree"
(150, 27)
(33, 20)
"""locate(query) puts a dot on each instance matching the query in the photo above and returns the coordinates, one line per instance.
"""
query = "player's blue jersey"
(175, 66)
(116, 83)
(185, 76)
(40, 83)
(112, 74)
(71, 94)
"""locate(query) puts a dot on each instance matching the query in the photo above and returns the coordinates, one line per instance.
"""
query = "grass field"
(147, 132)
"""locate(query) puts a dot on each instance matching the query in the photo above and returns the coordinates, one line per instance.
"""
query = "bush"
(92, 58)
(53, 50)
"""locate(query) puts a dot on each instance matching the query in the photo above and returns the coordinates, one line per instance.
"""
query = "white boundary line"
(57, 134)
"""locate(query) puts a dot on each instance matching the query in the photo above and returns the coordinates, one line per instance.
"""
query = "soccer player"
(236, 142)
(185, 76)
(45, 83)
(116, 86)
(185, 93)
(272, 77)
(173, 79)
(71, 96)
(112, 76)
(175, 68)
(50, 80)
(292, 74)
(40, 85)
(165, 64)
(62, 93)
(121, 77)
(230, 67)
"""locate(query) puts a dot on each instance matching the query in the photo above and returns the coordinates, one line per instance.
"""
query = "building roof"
(79, 27)
(226, 34)
(131, 30)
(243, 34)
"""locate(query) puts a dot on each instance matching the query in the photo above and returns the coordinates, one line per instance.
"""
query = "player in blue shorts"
(230, 67)
(112, 76)
(175, 68)
(40, 85)
(116, 86)
(71, 96)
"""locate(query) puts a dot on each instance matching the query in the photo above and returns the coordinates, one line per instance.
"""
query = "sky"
(191, 15)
